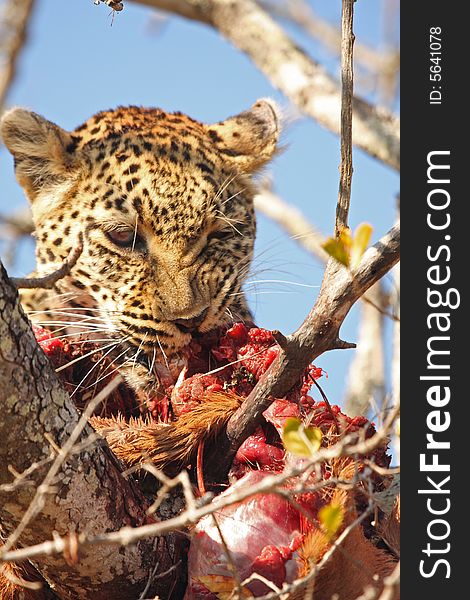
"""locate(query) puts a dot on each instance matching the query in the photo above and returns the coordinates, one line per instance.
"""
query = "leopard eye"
(125, 238)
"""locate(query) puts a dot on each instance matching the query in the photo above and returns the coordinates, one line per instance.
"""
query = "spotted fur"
(164, 207)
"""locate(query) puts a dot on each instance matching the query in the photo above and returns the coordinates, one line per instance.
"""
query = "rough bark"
(89, 492)
(292, 71)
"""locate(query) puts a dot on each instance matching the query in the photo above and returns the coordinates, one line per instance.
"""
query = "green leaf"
(336, 248)
(331, 518)
(359, 244)
(346, 249)
(346, 239)
(300, 440)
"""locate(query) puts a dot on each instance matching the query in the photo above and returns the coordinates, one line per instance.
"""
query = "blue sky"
(77, 62)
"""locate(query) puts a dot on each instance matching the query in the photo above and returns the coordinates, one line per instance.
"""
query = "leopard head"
(163, 206)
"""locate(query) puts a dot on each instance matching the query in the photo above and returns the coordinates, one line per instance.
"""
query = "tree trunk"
(89, 493)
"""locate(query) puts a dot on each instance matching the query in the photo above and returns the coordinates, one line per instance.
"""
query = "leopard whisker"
(83, 316)
(59, 310)
(282, 281)
(235, 294)
(164, 355)
(106, 374)
(98, 362)
(138, 351)
(153, 359)
(135, 232)
(79, 338)
(67, 313)
(225, 219)
(233, 196)
(235, 362)
(234, 316)
(77, 324)
(230, 179)
(229, 219)
(94, 351)
(265, 292)
(83, 331)
(78, 335)
(239, 317)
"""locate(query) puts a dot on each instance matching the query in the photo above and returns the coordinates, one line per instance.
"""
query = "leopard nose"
(188, 325)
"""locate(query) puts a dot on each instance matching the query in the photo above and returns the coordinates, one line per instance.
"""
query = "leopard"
(162, 208)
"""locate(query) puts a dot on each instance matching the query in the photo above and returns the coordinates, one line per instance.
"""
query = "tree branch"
(13, 229)
(292, 71)
(383, 64)
(14, 23)
(392, 585)
(47, 281)
(318, 333)
(19, 224)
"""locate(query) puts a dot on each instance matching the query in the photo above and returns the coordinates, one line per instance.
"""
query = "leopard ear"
(250, 138)
(43, 152)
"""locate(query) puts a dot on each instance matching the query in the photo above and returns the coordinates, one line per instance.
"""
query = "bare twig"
(347, 78)
(237, 592)
(18, 581)
(48, 281)
(167, 485)
(267, 583)
(381, 470)
(291, 70)
(14, 21)
(22, 479)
